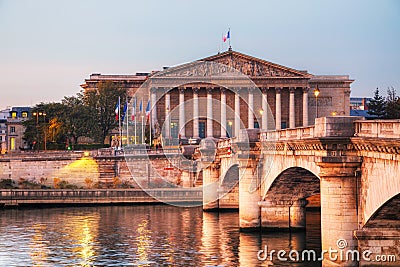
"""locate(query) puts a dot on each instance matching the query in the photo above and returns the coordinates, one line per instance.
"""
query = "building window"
(13, 114)
(12, 143)
(12, 129)
(24, 114)
(1, 138)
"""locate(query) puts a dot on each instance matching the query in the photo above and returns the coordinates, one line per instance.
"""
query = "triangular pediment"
(255, 67)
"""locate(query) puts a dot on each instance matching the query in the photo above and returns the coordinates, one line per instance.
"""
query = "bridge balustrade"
(378, 128)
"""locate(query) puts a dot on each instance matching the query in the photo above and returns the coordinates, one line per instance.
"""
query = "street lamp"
(37, 115)
(316, 93)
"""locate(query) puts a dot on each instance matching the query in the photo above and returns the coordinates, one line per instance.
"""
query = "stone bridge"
(352, 164)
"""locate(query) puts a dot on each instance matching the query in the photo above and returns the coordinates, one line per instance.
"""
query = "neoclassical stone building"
(218, 95)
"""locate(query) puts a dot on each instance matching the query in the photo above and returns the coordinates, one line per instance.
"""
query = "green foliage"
(385, 108)
(376, 106)
(101, 104)
(84, 115)
(392, 104)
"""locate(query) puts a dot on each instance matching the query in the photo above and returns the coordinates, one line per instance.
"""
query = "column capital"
(195, 90)
(278, 90)
(292, 89)
(223, 90)
(153, 90)
(209, 90)
(306, 89)
(181, 90)
(264, 90)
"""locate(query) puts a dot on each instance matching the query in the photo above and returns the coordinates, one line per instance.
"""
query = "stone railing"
(377, 128)
(288, 134)
(335, 126)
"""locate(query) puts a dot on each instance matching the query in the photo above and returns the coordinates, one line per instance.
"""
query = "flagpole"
(127, 122)
(135, 118)
(150, 123)
(142, 122)
(119, 120)
(229, 31)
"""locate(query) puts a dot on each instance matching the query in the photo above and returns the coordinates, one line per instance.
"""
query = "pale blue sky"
(48, 48)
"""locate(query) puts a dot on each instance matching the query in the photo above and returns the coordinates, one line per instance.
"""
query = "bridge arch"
(284, 202)
(387, 215)
(274, 166)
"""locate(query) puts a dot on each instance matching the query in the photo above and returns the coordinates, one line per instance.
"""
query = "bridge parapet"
(377, 128)
(335, 126)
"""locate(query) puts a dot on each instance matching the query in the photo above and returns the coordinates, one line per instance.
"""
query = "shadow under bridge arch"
(229, 188)
(284, 202)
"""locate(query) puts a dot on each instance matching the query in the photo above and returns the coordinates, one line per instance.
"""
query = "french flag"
(226, 36)
(148, 110)
(117, 110)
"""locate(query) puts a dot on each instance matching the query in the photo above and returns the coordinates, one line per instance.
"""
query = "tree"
(392, 104)
(377, 105)
(78, 120)
(101, 104)
(36, 127)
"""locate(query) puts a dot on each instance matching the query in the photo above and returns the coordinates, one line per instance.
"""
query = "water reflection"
(139, 236)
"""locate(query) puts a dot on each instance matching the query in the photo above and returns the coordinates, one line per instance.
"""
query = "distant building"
(359, 103)
(288, 92)
(3, 130)
(14, 128)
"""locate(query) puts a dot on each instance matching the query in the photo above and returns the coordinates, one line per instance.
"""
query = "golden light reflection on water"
(38, 246)
(83, 231)
(144, 242)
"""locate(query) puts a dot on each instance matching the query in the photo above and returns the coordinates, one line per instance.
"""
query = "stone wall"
(90, 170)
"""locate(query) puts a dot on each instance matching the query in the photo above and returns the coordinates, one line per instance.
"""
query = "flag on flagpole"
(140, 106)
(148, 110)
(226, 36)
(117, 110)
(134, 109)
(124, 111)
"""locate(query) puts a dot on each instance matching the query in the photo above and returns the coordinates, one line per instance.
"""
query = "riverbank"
(12, 198)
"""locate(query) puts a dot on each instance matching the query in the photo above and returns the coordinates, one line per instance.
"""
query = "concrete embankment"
(17, 197)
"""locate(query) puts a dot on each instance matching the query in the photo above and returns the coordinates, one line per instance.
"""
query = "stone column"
(250, 110)
(278, 121)
(237, 113)
(182, 112)
(264, 106)
(153, 106)
(223, 113)
(209, 113)
(210, 187)
(249, 194)
(305, 106)
(195, 112)
(291, 108)
(338, 206)
(167, 123)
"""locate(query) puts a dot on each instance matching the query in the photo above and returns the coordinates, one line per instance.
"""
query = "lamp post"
(37, 114)
(316, 93)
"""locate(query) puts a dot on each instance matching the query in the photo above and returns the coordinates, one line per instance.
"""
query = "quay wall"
(89, 170)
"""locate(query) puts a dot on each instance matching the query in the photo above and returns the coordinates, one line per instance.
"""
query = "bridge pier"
(283, 214)
(210, 187)
(249, 196)
(339, 216)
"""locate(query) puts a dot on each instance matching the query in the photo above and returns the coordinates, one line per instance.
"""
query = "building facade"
(12, 129)
(207, 98)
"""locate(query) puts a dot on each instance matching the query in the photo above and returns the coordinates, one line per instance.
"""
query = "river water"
(148, 235)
